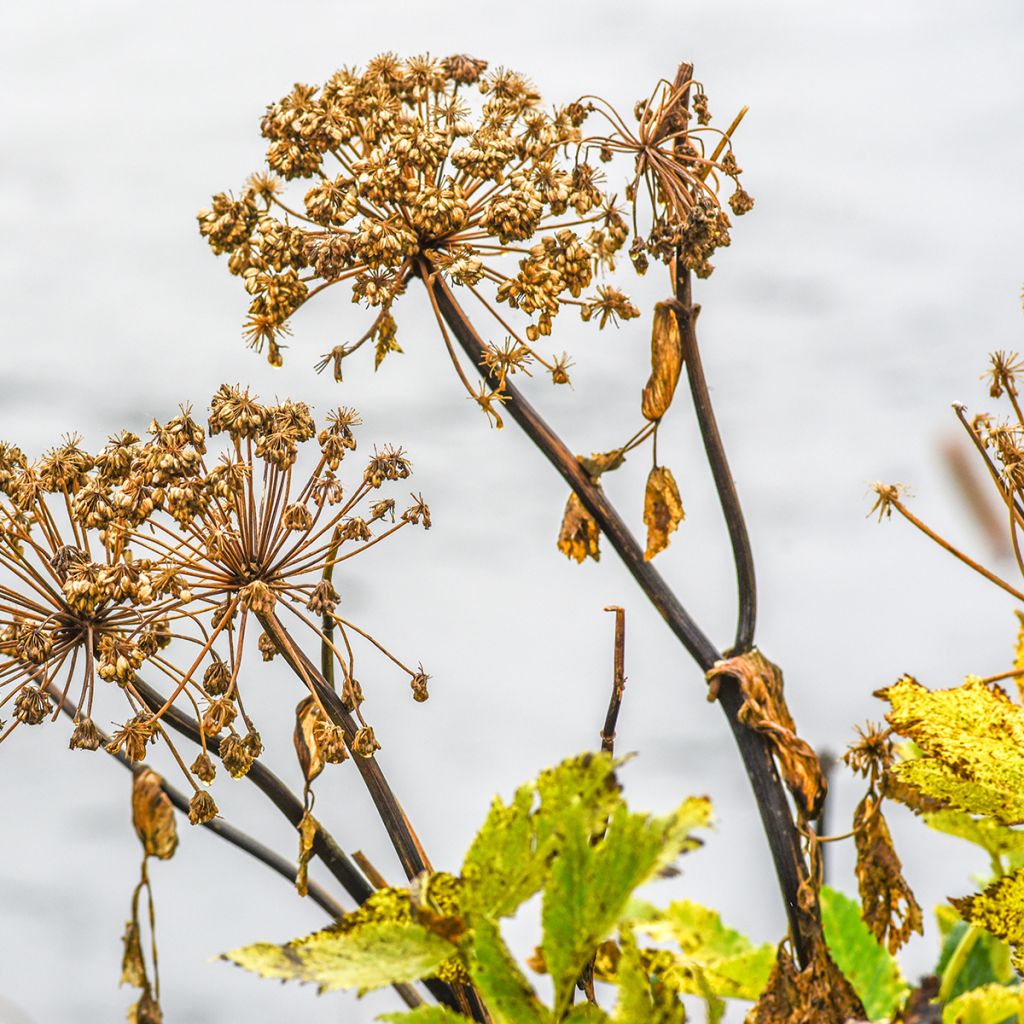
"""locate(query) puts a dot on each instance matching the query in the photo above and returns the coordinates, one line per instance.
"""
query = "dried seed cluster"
(157, 554)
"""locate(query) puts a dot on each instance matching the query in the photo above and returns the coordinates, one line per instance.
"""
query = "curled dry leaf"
(307, 717)
(145, 1011)
(153, 816)
(133, 967)
(818, 994)
(601, 462)
(764, 710)
(888, 906)
(307, 835)
(666, 362)
(663, 510)
(579, 535)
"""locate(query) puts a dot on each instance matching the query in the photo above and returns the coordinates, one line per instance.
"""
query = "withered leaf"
(601, 462)
(764, 710)
(153, 816)
(133, 967)
(307, 834)
(663, 510)
(888, 906)
(666, 362)
(145, 1011)
(579, 535)
(818, 994)
(307, 717)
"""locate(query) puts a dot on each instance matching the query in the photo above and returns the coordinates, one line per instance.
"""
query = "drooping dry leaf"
(663, 510)
(153, 816)
(307, 834)
(666, 362)
(764, 710)
(971, 739)
(818, 994)
(307, 717)
(133, 967)
(601, 462)
(579, 535)
(888, 906)
(999, 909)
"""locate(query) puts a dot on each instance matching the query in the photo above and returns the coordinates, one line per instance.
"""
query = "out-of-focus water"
(883, 261)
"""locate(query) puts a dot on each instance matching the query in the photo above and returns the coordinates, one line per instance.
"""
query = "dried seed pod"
(330, 741)
(153, 816)
(267, 647)
(663, 510)
(235, 755)
(85, 736)
(666, 362)
(419, 686)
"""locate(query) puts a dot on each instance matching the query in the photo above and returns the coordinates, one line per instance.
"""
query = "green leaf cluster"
(570, 837)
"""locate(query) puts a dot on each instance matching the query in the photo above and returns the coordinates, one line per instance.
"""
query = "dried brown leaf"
(666, 362)
(818, 994)
(579, 535)
(145, 1011)
(307, 717)
(764, 710)
(153, 816)
(133, 967)
(888, 906)
(601, 462)
(307, 835)
(663, 510)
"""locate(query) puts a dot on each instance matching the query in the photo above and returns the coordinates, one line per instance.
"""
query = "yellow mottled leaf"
(990, 1004)
(1018, 654)
(971, 740)
(663, 509)
(578, 538)
(999, 910)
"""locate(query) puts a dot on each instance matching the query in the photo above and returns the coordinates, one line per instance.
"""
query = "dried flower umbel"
(156, 553)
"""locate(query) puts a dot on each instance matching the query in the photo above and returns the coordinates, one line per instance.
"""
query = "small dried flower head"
(219, 715)
(133, 736)
(419, 685)
(872, 753)
(201, 808)
(235, 754)
(886, 496)
(365, 743)
(203, 768)
(324, 599)
(1003, 373)
(330, 741)
(216, 678)
(32, 705)
(85, 735)
(267, 647)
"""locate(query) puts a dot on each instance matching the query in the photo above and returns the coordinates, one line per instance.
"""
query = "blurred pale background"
(883, 260)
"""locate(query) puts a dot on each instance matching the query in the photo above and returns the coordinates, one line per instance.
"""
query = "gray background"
(882, 263)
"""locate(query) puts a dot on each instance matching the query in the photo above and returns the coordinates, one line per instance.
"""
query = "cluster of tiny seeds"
(410, 176)
(152, 556)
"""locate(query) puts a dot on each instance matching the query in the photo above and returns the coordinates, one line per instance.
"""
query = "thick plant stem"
(772, 803)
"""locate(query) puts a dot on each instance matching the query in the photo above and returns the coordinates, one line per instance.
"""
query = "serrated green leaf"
(506, 993)
(425, 1015)
(511, 855)
(368, 956)
(591, 883)
(871, 969)
(991, 1004)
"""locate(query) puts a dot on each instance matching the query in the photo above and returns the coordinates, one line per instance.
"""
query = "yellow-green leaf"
(507, 995)
(972, 745)
(990, 1004)
(715, 960)
(994, 838)
(426, 1014)
(591, 883)
(999, 910)
(368, 957)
